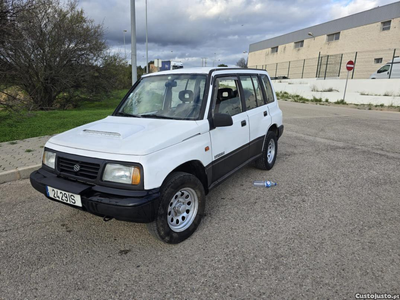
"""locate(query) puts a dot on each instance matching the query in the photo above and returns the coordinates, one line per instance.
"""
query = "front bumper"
(125, 205)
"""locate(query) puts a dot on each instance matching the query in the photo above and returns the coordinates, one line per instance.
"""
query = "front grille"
(86, 169)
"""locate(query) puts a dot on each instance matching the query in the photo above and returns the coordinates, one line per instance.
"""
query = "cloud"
(220, 29)
(345, 8)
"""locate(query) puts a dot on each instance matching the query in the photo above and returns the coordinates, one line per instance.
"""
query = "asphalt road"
(329, 230)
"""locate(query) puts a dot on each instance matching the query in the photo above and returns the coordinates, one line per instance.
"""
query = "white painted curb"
(17, 174)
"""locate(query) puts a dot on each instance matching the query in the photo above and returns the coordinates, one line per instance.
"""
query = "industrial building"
(369, 38)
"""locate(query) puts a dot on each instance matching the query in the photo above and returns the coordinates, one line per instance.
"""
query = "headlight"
(122, 174)
(49, 159)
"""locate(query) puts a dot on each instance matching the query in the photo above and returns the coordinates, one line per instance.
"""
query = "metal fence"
(331, 66)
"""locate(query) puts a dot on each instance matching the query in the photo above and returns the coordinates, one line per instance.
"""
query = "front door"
(229, 145)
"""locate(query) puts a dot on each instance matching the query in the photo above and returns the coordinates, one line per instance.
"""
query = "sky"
(220, 30)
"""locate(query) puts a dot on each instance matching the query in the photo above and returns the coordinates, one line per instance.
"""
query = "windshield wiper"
(121, 113)
(156, 116)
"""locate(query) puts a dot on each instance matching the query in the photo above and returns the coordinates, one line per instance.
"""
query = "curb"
(17, 174)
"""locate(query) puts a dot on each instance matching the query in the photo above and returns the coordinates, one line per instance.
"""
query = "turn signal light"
(136, 176)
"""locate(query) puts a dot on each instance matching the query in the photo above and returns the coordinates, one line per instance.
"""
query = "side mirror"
(222, 120)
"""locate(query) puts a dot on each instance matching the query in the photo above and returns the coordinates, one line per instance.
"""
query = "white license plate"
(63, 196)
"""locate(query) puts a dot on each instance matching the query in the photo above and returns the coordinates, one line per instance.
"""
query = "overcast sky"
(187, 30)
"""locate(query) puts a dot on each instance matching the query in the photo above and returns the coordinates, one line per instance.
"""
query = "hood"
(127, 136)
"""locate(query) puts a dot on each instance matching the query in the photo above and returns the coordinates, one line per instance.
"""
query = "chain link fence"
(332, 66)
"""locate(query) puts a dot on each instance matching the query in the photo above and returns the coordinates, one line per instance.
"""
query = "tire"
(182, 204)
(268, 158)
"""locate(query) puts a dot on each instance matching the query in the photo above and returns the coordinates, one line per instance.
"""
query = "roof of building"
(378, 14)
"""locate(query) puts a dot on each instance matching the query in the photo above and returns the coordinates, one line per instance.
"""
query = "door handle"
(244, 123)
(265, 113)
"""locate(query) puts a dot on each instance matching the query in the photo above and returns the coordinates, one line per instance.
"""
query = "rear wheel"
(268, 158)
(182, 204)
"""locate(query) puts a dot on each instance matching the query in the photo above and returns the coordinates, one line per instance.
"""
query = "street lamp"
(125, 31)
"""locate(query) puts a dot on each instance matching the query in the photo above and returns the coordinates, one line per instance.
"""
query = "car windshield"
(384, 69)
(166, 97)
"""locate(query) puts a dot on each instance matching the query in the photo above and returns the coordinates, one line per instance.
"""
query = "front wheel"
(268, 158)
(182, 204)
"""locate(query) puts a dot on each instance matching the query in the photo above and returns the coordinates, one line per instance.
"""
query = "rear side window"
(268, 89)
(248, 91)
(257, 88)
(226, 96)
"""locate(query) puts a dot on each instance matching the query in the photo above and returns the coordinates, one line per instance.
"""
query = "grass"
(386, 94)
(380, 105)
(328, 90)
(291, 97)
(13, 127)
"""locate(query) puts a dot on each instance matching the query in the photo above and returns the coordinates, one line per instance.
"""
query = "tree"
(242, 63)
(222, 65)
(48, 49)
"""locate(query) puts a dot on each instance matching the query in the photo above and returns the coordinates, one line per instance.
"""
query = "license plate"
(63, 196)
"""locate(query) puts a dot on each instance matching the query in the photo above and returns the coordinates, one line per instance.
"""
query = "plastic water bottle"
(266, 184)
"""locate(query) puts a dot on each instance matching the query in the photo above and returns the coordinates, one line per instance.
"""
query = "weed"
(13, 143)
(315, 99)
(341, 101)
(370, 94)
(326, 100)
(29, 150)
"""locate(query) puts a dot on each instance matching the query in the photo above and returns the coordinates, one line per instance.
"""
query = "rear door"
(229, 145)
(272, 104)
(257, 112)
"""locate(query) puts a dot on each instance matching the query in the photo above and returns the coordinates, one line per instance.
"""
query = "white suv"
(174, 136)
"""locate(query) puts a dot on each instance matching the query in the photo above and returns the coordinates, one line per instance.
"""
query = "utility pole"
(133, 43)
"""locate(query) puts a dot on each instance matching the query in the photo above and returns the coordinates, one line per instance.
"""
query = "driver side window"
(226, 97)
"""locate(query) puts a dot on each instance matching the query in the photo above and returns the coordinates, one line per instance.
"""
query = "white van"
(174, 136)
(384, 71)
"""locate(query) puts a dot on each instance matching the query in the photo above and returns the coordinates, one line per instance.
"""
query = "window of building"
(378, 60)
(299, 44)
(333, 37)
(386, 25)
(274, 50)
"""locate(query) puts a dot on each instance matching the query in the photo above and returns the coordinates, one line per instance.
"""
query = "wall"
(376, 89)
(369, 39)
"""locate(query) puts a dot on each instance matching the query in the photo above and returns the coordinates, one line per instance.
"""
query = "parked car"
(174, 136)
(390, 70)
